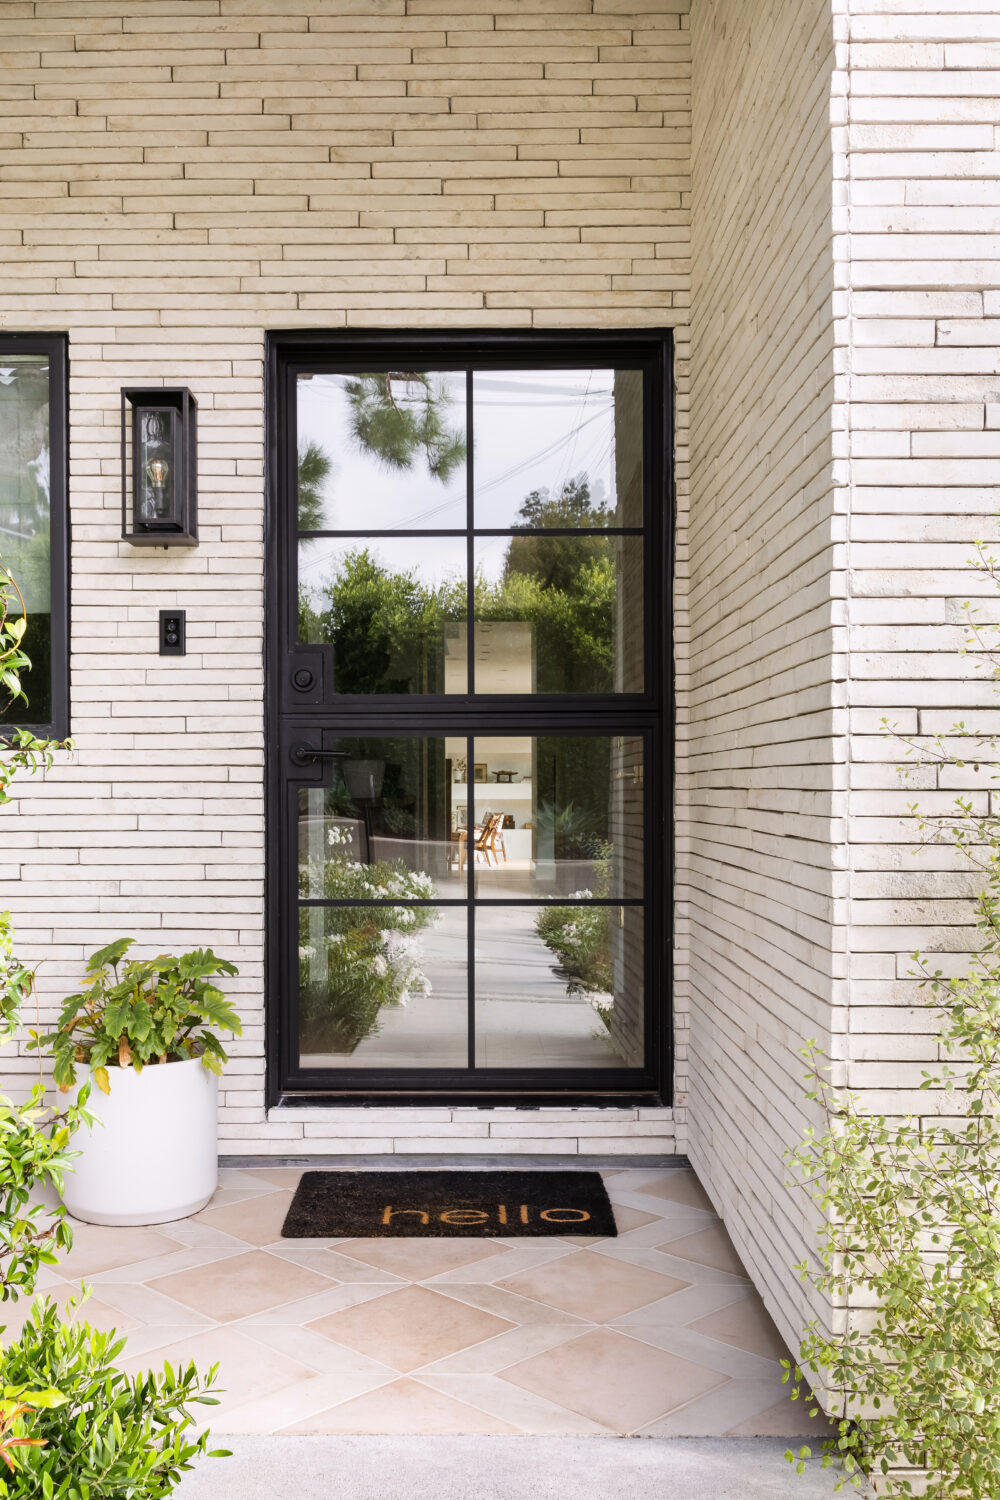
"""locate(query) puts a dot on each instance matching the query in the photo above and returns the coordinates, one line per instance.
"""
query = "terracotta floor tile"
(256, 1220)
(592, 1286)
(720, 1411)
(625, 1219)
(241, 1285)
(96, 1247)
(745, 1325)
(14, 1315)
(613, 1380)
(525, 1410)
(522, 1312)
(786, 1419)
(279, 1177)
(337, 1296)
(404, 1406)
(246, 1369)
(417, 1259)
(678, 1186)
(708, 1247)
(410, 1328)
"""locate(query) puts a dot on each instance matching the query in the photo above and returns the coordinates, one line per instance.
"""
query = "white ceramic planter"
(154, 1154)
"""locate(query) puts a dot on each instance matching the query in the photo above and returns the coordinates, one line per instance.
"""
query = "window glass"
(557, 816)
(384, 828)
(559, 614)
(559, 986)
(393, 610)
(557, 448)
(26, 518)
(381, 452)
(383, 985)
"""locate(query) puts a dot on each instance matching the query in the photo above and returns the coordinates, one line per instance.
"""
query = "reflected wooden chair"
(487, 841)
(493, 839)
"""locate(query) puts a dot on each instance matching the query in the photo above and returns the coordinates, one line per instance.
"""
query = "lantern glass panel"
(157, 477)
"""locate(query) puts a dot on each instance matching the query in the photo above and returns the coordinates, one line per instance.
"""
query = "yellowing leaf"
(103, 1082)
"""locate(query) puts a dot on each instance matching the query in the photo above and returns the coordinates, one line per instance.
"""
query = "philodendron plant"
(140, 1011)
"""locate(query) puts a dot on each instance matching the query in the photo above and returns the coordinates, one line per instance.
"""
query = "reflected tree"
(399, 414)
(314, 466)
(389, 627)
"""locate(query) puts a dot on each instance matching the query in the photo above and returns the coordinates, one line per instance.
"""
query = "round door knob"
(303, 678)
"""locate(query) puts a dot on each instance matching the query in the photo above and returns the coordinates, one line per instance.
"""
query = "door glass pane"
(385, 827)
(382, 452)
(559, 614)
(558, 816)
(394, 612)
(383, 986)
(557, 448)
(559, 986)
(25, 519)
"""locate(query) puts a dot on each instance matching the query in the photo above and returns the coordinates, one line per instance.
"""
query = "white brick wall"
(177, 176)
(761, 815)
(844, 459)
(918, 379)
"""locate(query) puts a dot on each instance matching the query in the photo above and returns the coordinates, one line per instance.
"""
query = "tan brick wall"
(177, 176)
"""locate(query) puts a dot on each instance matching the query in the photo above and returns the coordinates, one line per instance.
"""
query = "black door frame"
(292, 713)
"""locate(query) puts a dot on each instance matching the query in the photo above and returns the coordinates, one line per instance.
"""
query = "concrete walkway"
(504, 1468)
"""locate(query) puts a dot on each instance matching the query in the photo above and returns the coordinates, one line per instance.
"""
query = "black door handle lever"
(302, 754)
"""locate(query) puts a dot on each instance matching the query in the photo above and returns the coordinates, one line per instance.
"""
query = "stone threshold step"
(473, 1161)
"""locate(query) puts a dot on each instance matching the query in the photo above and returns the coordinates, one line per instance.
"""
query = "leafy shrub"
(147, 1010)
(97, 1435)
(34, 1143)
(911, 1229)
(910, 1237)
(34, 1151)
(106, 1435)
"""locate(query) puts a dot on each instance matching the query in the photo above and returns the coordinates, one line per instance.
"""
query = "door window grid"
(541, 543)
(419, 712)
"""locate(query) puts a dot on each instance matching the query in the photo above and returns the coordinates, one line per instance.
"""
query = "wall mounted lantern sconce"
(159, 467)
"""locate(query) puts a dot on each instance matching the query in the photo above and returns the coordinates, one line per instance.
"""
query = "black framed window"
(467, 691)
(33, 520)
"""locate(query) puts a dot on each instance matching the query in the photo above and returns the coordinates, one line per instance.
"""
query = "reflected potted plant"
(144, 1030)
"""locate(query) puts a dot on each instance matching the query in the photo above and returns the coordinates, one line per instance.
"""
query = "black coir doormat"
(483, 1205)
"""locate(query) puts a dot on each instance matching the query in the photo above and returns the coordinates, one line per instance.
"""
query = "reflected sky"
(533, 430)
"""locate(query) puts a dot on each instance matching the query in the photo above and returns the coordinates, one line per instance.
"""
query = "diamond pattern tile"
(240, 1285)
(255, 1220)
(410, 1328)
(403, 1406)
(708, 1247)
(569, 1336)
(613, 1379)
(419, 1259)
(593, 1286)
(680, 1187)
(746, 1325)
